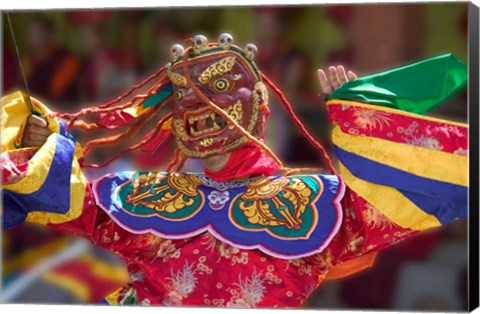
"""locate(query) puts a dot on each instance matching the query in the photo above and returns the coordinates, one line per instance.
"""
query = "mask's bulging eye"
(179, 94)
(221, 85)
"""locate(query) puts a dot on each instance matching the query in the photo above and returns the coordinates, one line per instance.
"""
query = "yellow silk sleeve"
(16, 108)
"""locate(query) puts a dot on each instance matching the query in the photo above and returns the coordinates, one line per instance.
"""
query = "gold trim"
(177, 79)
(179, 129)
(257, 100)
(199, 155)
(218, 68)
(251, 69)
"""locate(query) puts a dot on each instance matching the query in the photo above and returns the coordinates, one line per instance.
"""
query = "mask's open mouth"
(198, 125)
(205, 122)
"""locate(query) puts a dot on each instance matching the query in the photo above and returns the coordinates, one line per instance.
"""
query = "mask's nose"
(191, 100)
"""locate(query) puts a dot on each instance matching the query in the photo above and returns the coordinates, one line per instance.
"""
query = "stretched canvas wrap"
(247, 157)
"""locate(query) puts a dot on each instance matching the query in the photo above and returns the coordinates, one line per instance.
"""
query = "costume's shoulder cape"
(286, 217)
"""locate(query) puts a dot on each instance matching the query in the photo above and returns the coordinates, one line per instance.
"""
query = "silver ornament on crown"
(200, 43)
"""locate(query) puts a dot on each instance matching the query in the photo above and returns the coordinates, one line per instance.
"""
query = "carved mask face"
(231, 82)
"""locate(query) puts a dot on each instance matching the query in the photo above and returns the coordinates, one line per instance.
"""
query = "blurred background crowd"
(78, 58)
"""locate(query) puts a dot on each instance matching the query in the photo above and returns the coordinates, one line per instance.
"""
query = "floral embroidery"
(354, 240)
(305, 270)
(417, 131)
(324, 260)
(272, 278)
(243, 259)
(214, 302)
(309, 288)
(356, 245)
(399, 236)
(295, 262)
(223, 249)
(371, 118)
(424, 141)
(136, 276)
(203, 268)
(105, 237)
(250, 291)
(180, 285)
(350, 213)
(303, 267)
(375, 219)
(160, 248)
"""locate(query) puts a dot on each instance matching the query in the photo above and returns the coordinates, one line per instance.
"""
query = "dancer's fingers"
(36, 120)
(342, 75)
(351, 76)
(39, 130)
(325, 87)
(333, 76)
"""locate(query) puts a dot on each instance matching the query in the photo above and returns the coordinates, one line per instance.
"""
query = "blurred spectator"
(269, 59)
(341, 15)
(164, 36)
(428, 287)
(452, 252)
(131, 62)
(269, 20)
(295, 79)
(11, 71)
(51, 70)
(101, 77)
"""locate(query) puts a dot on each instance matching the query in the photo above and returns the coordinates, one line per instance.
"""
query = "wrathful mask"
(225, 75)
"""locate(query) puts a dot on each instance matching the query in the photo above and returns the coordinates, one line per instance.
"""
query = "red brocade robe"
(202, 270)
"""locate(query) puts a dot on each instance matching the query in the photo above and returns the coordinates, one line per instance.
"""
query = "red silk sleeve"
(88, 222)
(364, 231)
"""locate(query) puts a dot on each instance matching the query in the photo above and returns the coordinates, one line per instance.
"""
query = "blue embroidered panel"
(286, 217)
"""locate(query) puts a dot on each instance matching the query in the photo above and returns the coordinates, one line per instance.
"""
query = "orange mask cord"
(299, 124)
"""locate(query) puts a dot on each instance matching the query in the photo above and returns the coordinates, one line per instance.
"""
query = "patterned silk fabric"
(202, 270)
